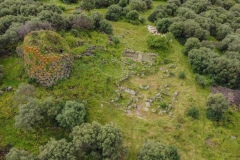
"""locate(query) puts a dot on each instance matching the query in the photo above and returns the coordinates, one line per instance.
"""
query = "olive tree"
(152, 150)
(23, 94)
(114, 13)
(57, 150)
(72, 114)
(87, 4)
(138, 5)
(191, 43)
(97, 142)
(106, 26)
(217, 106)
(29, 115)
(16, 154)
(163, 24)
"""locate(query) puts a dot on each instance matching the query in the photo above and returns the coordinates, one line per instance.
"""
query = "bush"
(115, 40)
(23, 94)
(191, 43)
(193, 112)
(97, 142)
(114, 13)
(122, 3)
(70, 1)
(132, 15)
(163, 105)
(16, 154)
(87, 4)
(72, 114)
(138, 5)
(182, 75)
(176, 29)
(29, 115)
(57, 150)
(148, 3)
(223, 30)
(125, 11)
(142, 20)
(81, 22)
(200, 80)
(97, 18)
(155, 150)
(217, 106)
(157, 42)
(163, 24)
(106, 26)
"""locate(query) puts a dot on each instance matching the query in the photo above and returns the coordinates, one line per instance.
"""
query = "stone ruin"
(48, 68)
(140, 56)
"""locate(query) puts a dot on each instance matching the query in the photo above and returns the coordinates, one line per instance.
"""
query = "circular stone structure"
(47, 57)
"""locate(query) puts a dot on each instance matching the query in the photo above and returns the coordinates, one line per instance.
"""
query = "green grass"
(93, 80)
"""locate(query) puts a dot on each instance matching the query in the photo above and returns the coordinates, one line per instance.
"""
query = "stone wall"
(46, 68)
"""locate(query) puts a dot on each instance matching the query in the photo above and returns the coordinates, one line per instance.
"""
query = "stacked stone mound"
(47, 69)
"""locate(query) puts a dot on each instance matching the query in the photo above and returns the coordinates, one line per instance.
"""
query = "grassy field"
(93, 80)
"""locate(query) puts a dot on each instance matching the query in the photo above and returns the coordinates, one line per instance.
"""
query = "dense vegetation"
(132, 94)
(193, 22)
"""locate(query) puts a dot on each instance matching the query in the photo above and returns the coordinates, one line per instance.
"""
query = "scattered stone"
(1, 92)
(233, 137)
(101, 105)
(144, 87)
(146, 109)
(147, 104)
(154, 110)
(134, 106)
(10, 88)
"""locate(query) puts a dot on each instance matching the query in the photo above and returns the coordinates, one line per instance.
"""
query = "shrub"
(157, 42)
(97, 18)
(87, 4)
(182, 75)
(217, 105)
(23, 94)
(148, 3)
(72, 114)
(105, 3)
(132, 15)
(200, 80)
(142, 20)
(122, 3)
(16, 154)
(193, 112)
(155, 150)
(81, 22)
(191, 43)
(176, 29)
(200, 59)
(115, 40)
(163, 24)
(57, 150)
(106, 26)
(158, 13)
(163, 105)
(97, 142)
(114, 13)
(58, 21)
(70, 1)
(138, 5)
(223, 30)
(125, 11)
(29, 115)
